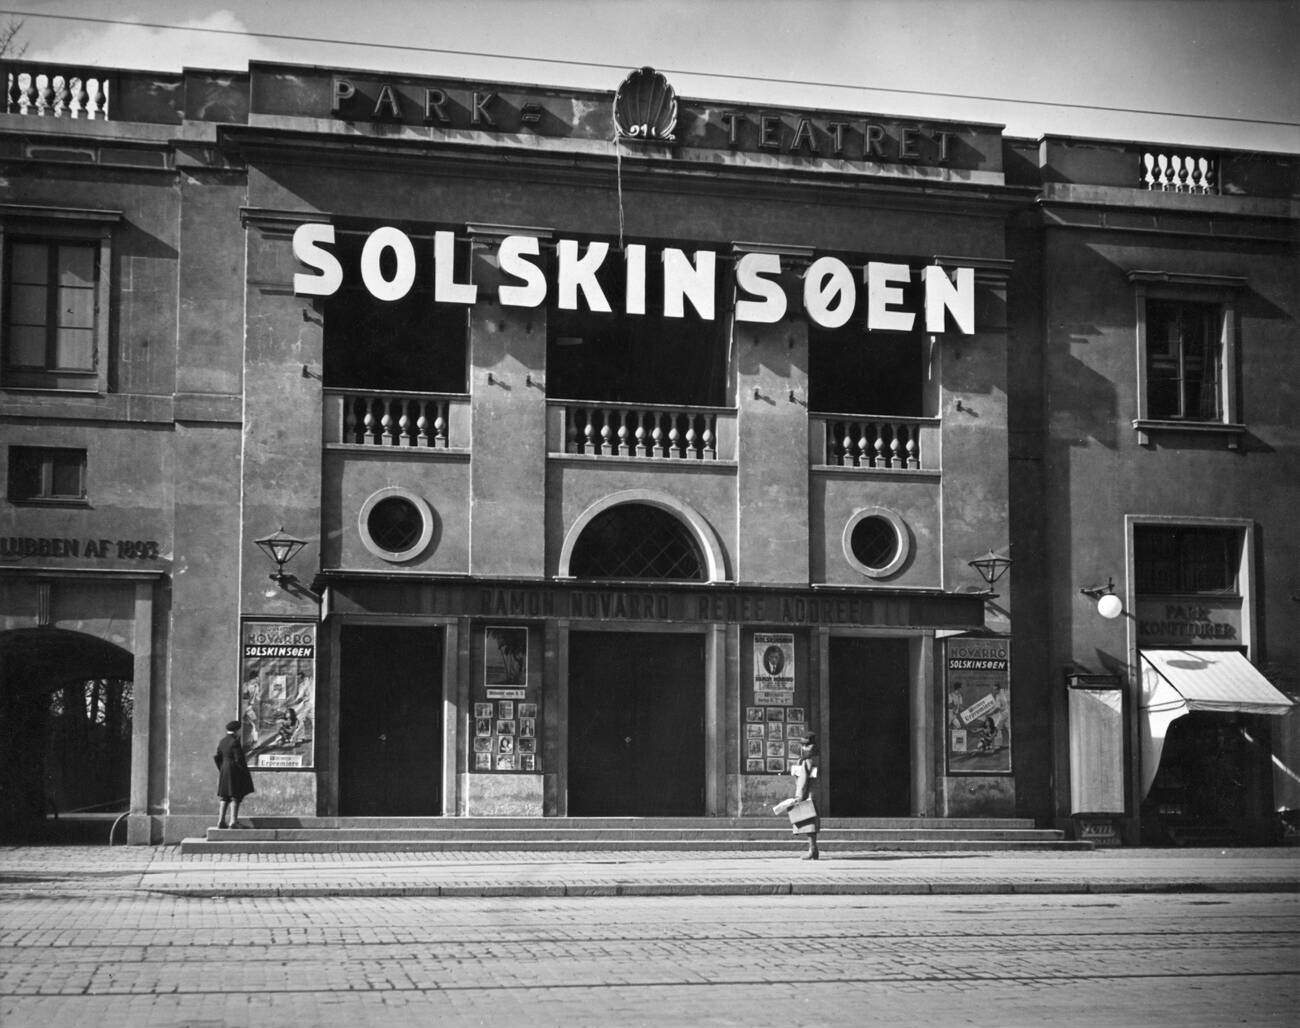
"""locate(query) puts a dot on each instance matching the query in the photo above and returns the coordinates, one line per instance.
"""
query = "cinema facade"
(499, 449)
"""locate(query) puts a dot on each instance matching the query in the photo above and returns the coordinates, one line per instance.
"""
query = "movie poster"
(978, 685)
(277, 696)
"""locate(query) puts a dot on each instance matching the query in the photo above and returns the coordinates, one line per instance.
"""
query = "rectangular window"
(1187, 354)
(1179, 560)
(50, 316)
(1184, 361)
(41, 474)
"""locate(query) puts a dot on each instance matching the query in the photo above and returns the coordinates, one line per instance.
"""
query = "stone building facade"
(616, 441)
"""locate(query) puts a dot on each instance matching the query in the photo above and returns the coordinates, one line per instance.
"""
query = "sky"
(1209, 73)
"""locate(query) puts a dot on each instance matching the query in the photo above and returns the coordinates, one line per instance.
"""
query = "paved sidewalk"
(89, 870)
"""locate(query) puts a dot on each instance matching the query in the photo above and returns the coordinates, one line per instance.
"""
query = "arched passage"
(66, 716)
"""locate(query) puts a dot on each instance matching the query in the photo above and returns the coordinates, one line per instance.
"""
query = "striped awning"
(1222, 680)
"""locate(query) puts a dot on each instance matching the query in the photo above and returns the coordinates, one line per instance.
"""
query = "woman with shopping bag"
(800, 808)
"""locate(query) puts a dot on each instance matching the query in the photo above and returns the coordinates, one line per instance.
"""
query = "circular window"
(395, 524)
(876, 542)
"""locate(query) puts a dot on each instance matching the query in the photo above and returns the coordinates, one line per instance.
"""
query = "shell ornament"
(645, 107)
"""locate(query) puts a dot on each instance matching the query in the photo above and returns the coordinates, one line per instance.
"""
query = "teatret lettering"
(830, 289)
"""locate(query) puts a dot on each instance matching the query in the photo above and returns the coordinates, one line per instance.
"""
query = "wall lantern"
(990, 566)
(1109, 605)
(281, 548)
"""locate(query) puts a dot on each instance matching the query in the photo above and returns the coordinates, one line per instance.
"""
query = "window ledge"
(50, 501)
(1146, 426)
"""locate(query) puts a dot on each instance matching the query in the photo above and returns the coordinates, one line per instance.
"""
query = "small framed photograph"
(775, 730)
(505, 744)
(776, 713)
(754, 767)
(527, 726)
(528, 710)
(506, 709)
(753, 714)
(775, 749)
(482, 710)
(527, 762)
(505, 761)
(776, 765)
(793, 731)
(527, 745)
(482, 761)
(754, 731)
(794, 714)
(482, 744)
(754, 748)
(505, 727)
(482, 726)
(792, 750)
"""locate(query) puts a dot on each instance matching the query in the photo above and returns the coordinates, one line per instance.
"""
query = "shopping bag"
(784, 805)
(803, 817)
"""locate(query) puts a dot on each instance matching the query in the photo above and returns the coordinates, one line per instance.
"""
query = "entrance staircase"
(622, 834)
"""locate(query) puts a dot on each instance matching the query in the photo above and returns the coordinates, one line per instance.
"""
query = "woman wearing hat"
(805, 773)
(234, 781)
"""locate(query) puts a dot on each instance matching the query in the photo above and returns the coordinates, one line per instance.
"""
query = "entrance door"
(390, 721)
(868, 750)
(636, 725)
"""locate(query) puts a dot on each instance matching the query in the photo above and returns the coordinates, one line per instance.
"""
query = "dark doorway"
(65, 732)
(390, 721)
(636, 725)
(868, 750)
(1213, 785)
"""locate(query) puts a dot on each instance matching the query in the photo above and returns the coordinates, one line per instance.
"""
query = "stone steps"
(470, 835)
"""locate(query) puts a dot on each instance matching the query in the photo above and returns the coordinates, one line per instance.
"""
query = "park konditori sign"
(389, 265)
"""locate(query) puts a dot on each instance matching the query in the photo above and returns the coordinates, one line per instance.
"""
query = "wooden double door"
(869, 745)
(390, 721)
(636, 724)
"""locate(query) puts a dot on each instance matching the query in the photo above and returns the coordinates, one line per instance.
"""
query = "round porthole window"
(876, 542)
(395, 524)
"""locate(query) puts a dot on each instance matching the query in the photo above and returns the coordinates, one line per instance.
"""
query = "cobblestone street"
(147, 959)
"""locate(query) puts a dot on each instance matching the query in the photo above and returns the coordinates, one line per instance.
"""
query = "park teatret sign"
(830, 288)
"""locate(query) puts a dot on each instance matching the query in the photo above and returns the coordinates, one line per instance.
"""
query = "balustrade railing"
(884, 443)
(650, 432)
(365, 417)
(1179, 172)
(44, 91)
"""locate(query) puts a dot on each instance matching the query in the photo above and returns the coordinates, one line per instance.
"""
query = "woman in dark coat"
(234, 782)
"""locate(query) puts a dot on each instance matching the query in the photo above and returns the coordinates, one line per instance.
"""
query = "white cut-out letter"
(381, 239)
(510, 258)
(750, 270)
(445, 287)
(307, 240)
(941, 294)
(634, 257)
(885, 286)
(686, 281)
(829, 294)
(576, 273)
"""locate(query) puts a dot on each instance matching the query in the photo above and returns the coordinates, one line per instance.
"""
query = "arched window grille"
(637, 541)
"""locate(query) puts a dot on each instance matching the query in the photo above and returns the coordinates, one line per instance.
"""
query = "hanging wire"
(618, 169)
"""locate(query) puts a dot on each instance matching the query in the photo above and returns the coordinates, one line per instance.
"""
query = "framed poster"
(774, 668)
(277, 694)
(977, 689)
(505, 659)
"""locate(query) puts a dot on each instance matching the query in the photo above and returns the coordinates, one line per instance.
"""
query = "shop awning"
(1176, 682)
(1221, 680)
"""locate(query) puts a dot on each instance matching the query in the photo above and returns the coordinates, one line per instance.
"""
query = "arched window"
(637, 540)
